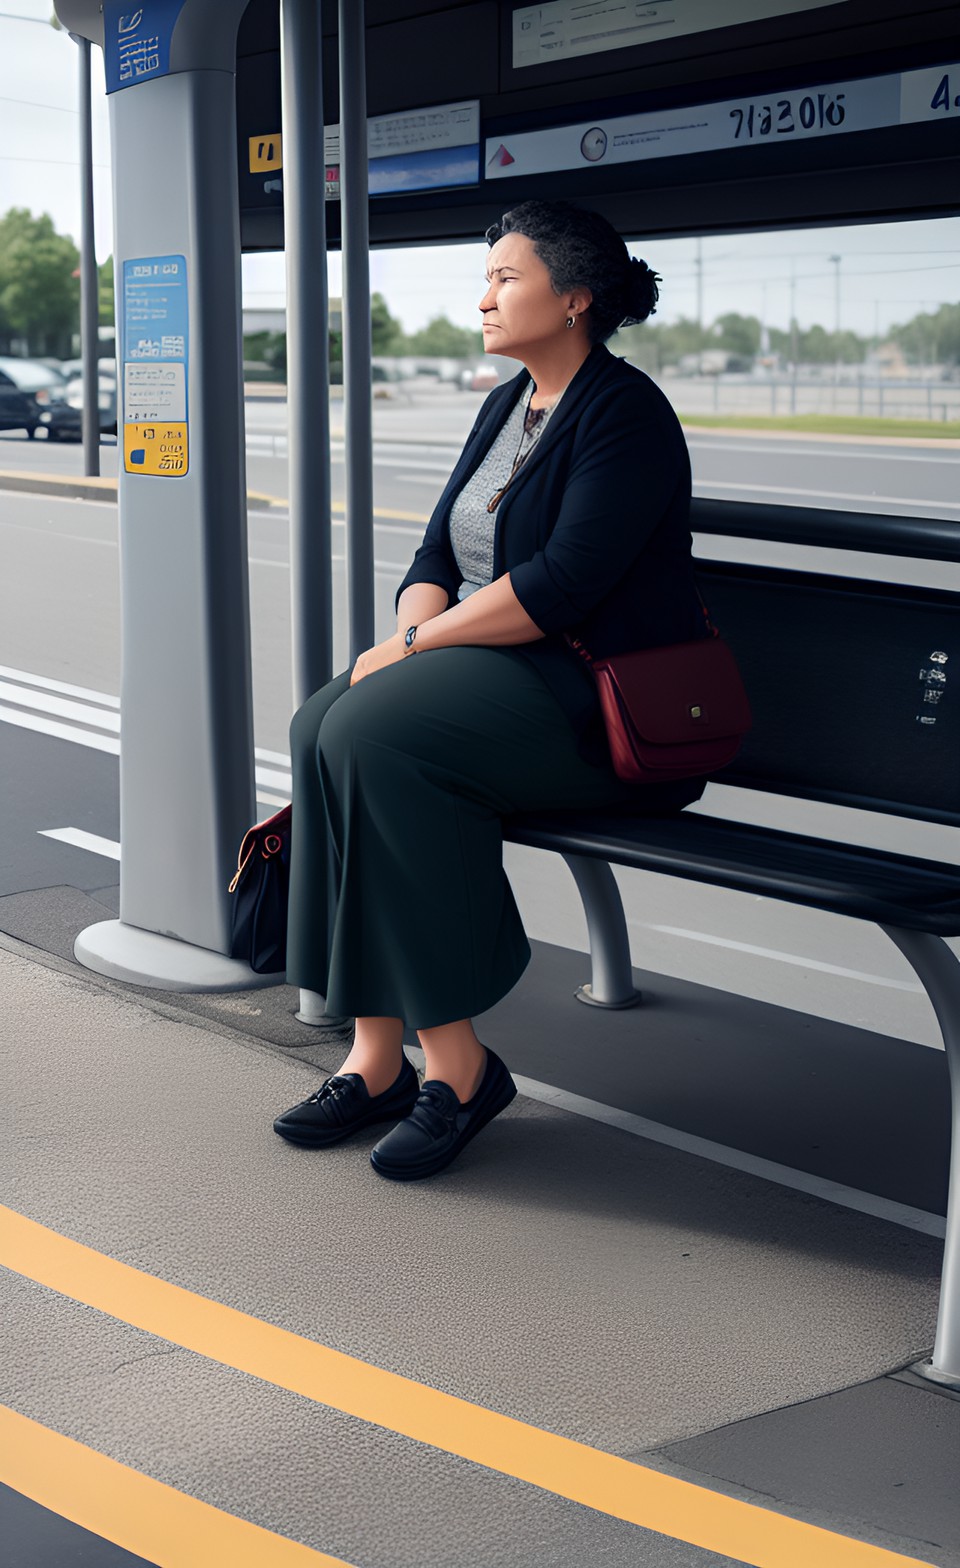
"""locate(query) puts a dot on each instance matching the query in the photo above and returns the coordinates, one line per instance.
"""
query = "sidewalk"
(699, 1323)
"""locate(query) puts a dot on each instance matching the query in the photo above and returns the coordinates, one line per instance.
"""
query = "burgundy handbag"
(671, 712)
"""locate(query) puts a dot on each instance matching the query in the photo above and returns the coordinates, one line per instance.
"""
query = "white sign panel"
(564, 29)
(420, 149)
(154, 393)
(930, 94)
(794, 115)
(415, 130)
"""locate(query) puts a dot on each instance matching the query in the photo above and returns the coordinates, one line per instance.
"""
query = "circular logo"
(594, 144)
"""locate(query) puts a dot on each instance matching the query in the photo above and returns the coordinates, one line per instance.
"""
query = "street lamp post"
(836, 327)
(89, 304)
(89, 290)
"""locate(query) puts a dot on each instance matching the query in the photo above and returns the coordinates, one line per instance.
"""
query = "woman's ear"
(580, 300)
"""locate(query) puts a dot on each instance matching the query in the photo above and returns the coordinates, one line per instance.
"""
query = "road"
(60, 676)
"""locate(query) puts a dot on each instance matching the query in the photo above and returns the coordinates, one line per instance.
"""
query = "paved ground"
(569, 1276)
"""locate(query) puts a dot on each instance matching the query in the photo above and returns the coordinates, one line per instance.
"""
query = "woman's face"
(520, 309)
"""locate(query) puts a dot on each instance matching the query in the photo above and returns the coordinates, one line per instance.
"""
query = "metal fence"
(866, 397)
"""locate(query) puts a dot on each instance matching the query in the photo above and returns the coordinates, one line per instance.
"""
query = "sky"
(888, 272)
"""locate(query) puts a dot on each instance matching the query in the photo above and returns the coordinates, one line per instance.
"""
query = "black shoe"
(439, 1126)
(343, 1105)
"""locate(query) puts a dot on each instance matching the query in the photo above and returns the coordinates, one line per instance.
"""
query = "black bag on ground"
(260, 888)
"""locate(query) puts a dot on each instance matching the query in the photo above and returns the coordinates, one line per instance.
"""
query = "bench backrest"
(854, 687)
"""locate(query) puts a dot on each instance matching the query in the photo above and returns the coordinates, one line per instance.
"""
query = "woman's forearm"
(420, 602)
(492, 616)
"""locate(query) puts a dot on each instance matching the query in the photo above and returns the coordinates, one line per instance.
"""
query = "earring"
(571, 321)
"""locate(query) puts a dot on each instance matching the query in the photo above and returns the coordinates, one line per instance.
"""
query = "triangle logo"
(501, 158)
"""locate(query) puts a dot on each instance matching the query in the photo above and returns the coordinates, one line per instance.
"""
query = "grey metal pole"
(89, 291)
(308, 376)
(357, 347)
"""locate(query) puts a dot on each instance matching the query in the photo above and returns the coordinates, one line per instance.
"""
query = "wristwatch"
(408, 637)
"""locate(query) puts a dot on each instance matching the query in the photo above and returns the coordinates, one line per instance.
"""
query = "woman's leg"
(418, 765)
(455, 1056)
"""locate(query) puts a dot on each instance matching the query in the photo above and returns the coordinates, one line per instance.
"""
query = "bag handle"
(578, 647)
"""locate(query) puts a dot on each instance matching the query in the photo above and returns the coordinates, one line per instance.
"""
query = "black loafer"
(439, 1126)
(343, 1106)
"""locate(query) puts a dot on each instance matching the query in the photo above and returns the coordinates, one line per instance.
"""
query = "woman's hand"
(378, 657)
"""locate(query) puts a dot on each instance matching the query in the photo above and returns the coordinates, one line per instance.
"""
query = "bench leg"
(939, 972)
(611, 982)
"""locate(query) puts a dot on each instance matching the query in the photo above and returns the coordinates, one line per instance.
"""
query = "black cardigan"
(594, 531)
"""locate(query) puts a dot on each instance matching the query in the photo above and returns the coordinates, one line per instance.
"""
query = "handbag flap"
(682, 693)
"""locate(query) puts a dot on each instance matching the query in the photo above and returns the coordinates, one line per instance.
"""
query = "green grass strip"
(830, 424)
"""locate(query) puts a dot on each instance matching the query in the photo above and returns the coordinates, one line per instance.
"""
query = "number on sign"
(941, 98)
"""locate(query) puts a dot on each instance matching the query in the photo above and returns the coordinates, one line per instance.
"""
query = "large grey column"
(186, 766)
(357, 372)
(308, 374)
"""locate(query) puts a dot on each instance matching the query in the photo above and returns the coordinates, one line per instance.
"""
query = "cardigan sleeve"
(628, 460)
(434, 562)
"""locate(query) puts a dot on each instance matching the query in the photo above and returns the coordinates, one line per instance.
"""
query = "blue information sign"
(136, 40)
(154, 347)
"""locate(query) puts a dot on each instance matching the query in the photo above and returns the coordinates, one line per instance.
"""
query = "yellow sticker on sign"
(266, 153)
(159, 449)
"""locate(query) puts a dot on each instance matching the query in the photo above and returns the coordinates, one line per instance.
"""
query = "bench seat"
(868, 884)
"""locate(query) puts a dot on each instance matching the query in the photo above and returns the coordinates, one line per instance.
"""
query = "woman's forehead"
(510, 249)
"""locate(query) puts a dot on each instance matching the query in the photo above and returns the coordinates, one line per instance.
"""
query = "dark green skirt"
(399, 903)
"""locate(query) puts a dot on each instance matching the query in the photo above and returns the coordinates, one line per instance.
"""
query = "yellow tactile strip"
(568, 1469)
(132, 1510)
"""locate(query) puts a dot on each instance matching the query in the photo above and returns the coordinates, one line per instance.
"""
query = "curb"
(92, 488)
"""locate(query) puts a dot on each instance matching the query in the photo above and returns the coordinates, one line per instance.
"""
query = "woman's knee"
(305, 724)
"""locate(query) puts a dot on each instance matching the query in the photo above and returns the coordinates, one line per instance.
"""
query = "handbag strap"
(578, 647)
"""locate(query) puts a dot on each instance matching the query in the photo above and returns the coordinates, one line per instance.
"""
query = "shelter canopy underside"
(812, 113)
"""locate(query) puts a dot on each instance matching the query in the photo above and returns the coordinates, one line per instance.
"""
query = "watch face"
(594, 144)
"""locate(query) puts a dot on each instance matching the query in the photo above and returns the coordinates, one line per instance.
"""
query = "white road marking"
(828, 495)
(31, 721)
(778, 956)
(81, 840)
(53, 533)
(859, 454)
(45, 684)
(41, 702)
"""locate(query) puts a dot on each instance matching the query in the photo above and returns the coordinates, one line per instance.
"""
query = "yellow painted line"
(598, 1480)
(338, 507)
(132, 1510)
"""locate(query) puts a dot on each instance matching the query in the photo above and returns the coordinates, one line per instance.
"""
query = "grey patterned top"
(471, 525)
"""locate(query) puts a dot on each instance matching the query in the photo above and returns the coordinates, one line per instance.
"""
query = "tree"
(931, 339)
(738, 334)
(105, 291)
(385, 331)
(442, 339)
(39, 296)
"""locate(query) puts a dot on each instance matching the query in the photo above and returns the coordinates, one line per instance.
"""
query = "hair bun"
(642, 293)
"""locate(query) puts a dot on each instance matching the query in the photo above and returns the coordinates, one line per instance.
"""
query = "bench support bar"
(939, 972)
(611, 983)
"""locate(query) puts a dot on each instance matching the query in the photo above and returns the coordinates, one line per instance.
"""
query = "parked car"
(63, 421)
(28, 389)
(478, 378)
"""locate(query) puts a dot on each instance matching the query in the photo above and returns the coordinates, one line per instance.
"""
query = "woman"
(568, 510)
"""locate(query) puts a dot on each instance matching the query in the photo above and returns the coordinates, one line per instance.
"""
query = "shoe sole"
(307, 1139)
(437, 1163)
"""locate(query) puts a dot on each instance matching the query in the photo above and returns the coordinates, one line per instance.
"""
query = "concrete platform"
(640, 1301)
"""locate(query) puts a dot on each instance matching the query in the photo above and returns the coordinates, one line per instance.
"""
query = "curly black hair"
(580, 248)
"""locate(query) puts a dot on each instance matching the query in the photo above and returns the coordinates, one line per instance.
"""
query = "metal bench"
(855, 691)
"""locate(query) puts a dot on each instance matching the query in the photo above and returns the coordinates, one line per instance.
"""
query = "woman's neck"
(553, 371)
